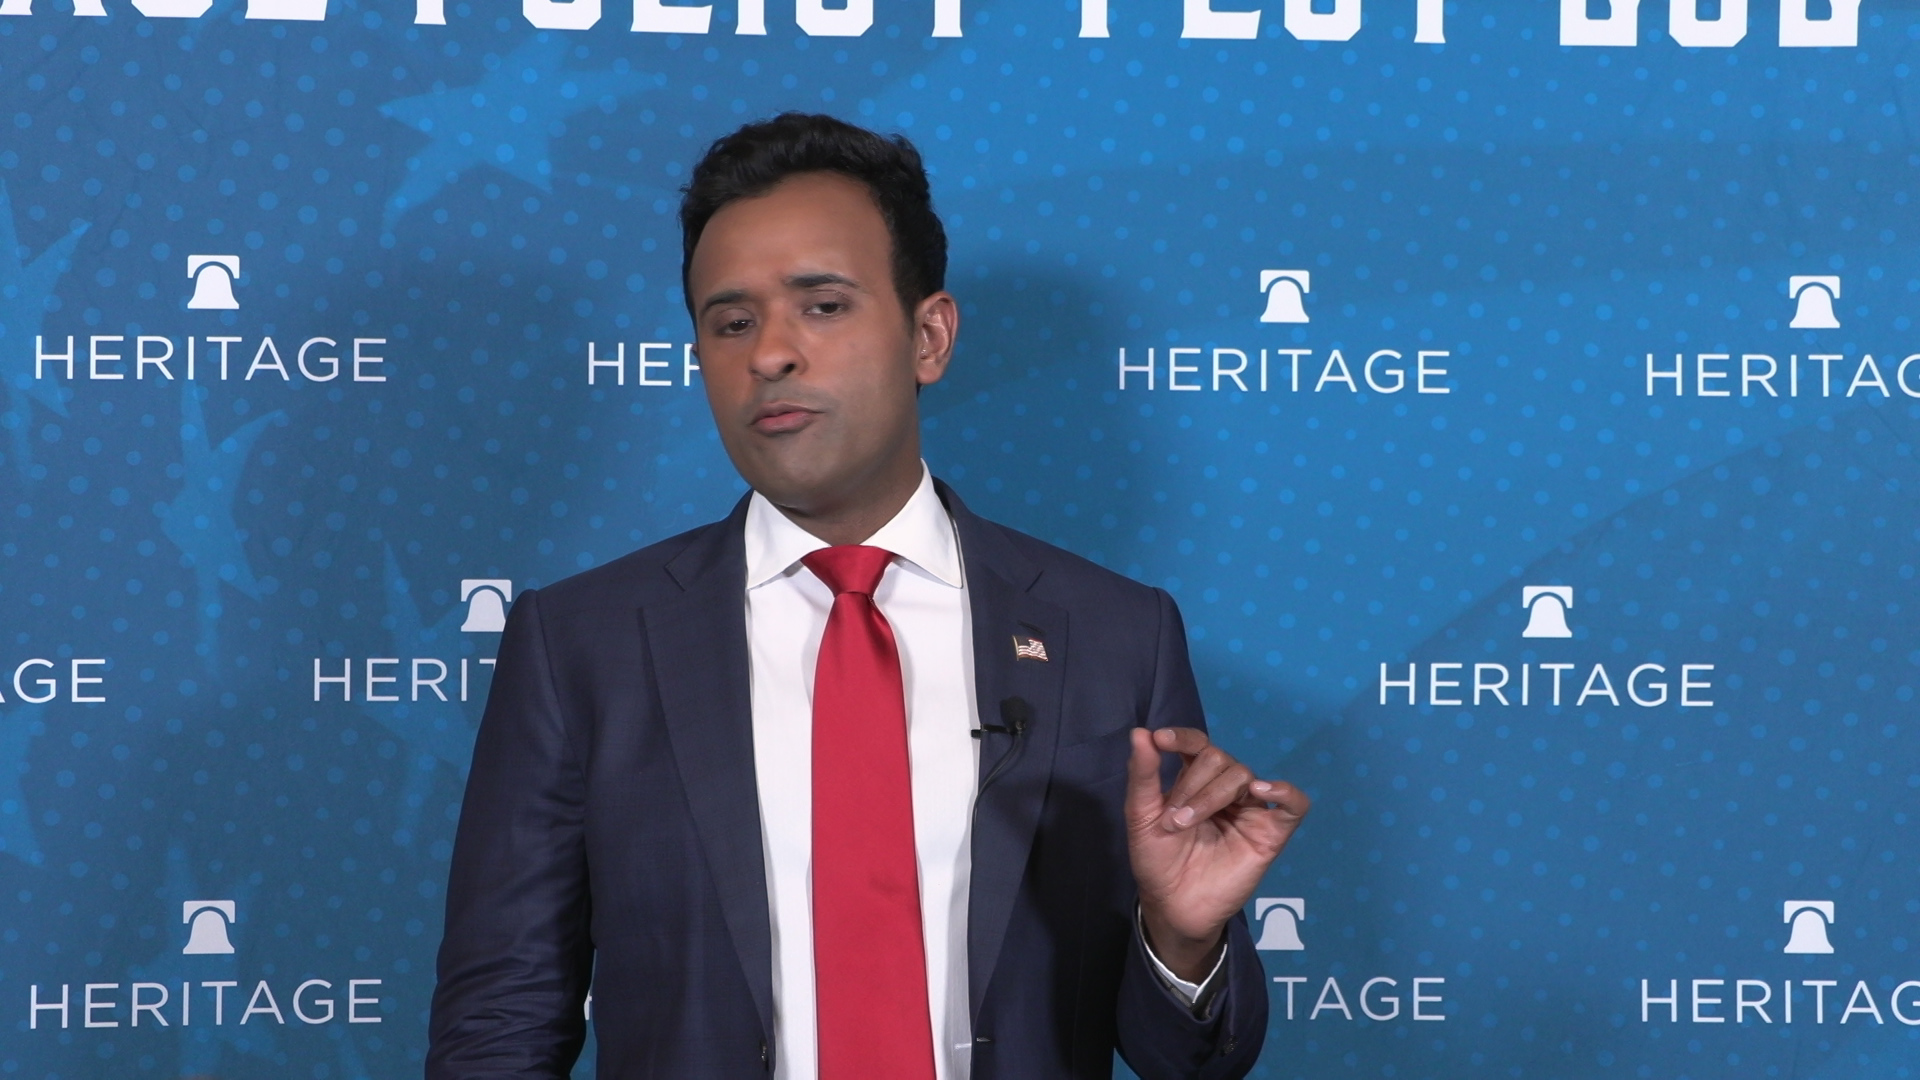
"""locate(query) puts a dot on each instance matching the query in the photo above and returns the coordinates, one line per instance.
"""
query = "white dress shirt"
(923, 595)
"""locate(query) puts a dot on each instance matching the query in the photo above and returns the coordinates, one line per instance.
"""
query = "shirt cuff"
(1195, 996)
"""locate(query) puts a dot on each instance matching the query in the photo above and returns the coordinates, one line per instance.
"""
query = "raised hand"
(1200, 848)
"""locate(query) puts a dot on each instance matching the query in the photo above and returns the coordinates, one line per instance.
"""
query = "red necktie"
(869, 963)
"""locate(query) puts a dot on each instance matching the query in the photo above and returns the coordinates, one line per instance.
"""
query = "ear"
(936, 325)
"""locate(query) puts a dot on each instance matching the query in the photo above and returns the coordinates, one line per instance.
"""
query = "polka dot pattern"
(479, 204)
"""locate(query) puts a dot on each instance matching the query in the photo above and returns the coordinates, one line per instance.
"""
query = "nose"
(776, 351)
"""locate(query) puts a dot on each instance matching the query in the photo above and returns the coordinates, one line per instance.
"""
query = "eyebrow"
(814, 281)
(728, 297)
(798, 281)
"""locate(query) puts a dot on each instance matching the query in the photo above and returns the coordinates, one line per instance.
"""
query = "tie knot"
(849, 568)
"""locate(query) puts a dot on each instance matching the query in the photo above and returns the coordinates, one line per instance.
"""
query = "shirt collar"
(921, 535)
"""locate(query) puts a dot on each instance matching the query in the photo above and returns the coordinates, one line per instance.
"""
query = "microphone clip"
(1016, 712)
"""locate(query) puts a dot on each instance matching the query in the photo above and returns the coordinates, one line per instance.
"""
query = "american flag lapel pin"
(1029, 648)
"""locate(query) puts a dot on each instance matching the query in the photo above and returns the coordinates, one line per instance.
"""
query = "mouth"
(782, 417)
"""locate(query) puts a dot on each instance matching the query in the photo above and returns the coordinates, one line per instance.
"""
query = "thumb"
(1145, 801)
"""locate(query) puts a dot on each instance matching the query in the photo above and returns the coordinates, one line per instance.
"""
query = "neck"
(854, 520)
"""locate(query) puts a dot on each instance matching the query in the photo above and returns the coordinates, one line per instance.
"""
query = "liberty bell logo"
(213, 281)
(1279, 918)
(1284, 289)
(1547, 610)
(1815, 294)
(209, 920)
(1809, 919)
(486, 600)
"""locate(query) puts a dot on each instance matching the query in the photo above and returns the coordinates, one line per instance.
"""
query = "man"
(852, 784)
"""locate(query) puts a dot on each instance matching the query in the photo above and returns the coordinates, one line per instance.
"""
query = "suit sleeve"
(1160, 1037)
(517, 958)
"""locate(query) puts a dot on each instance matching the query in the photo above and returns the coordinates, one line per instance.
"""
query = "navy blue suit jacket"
(610, 837)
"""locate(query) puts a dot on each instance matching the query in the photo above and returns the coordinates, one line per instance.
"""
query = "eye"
(828, 307)
(735, 326)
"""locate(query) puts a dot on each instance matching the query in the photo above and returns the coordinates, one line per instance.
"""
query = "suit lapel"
(1007, 809)
(698, 641)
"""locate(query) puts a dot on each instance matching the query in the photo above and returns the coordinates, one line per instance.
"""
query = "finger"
(1199, 771)
(1282, 796)
(1144, 801)
(1226, 788)
(1184, 741)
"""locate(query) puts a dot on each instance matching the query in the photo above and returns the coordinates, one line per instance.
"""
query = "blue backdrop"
(1516, 398)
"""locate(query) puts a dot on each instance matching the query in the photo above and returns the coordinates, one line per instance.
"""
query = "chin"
(798, 489)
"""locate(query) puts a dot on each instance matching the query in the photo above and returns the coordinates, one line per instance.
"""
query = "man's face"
(810, 363)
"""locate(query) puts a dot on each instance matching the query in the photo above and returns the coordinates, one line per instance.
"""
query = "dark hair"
(753, 159)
